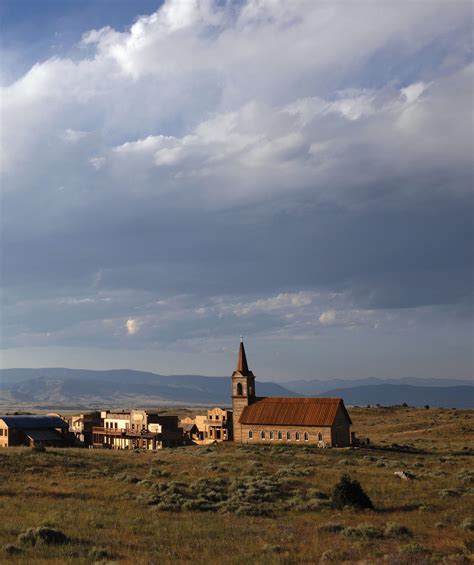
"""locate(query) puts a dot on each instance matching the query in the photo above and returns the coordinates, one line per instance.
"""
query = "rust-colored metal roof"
(293, 411)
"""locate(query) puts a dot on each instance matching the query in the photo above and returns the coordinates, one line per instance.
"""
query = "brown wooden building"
(321, 421)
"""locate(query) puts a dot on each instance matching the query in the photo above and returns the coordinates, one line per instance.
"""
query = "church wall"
(257, 429)
(341, 430)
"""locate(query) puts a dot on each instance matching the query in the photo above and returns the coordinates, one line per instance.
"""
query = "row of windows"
(287, 435)
(1, 432)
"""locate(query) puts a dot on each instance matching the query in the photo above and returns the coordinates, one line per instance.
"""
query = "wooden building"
(214, 426)
(49, 430)
(137, 429)
(81, 427)
(321, 421)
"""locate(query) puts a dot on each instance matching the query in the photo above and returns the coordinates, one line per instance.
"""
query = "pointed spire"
(242, 365)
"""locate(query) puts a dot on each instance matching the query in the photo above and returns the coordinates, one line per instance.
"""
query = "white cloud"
(72, 136)
(328, 317)
(97, 162)
(132, 326)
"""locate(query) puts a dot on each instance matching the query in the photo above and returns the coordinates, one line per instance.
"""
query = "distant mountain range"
(314, 387)
(389, 394)
(60, 387)
(71, 388)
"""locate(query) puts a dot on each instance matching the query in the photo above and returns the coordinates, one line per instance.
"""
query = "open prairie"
(249, 504)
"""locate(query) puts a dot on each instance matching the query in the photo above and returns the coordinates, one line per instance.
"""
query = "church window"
(239, 389)
(297, 436)
(271, 435)
(250, 434)
(288, 436)
(306, 436)
(263, 435)
(280, 435)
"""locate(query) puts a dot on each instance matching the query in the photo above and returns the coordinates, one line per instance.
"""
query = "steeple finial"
(242, 365)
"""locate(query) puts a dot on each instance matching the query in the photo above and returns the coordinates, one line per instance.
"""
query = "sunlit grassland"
(106, 501)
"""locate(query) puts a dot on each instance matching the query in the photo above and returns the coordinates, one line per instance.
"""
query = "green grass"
(239, 504)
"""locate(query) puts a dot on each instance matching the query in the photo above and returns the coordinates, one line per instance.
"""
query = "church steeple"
(242, 365)
(243, 389)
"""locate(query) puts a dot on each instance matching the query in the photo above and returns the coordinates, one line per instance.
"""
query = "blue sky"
(177, 174)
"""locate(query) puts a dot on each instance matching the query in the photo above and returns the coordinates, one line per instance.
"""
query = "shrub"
(365, 531)
(468, 524)
(348, 492)
(11, 549)
(315, 493)
(98, 553)
(332, 528)
(413, 549)
(48, 536)
(450, 492)
(469, 545)
(38, 448)
(294, 470)
(397, 531)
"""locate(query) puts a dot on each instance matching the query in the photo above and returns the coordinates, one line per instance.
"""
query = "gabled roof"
(34, 422)
(283, 411)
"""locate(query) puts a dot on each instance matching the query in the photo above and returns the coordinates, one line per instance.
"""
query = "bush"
(397, 531)
(413, 549)
(331, 528)
(365, 531)
(11, 549)
(98, 553)
(38, 448)
(48, 536)
(451, 492)
(348, 492)
(468, 524)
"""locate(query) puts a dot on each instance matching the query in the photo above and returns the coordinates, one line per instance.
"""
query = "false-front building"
(321, 421)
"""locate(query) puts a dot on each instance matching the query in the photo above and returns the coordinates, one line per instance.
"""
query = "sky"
(176, 174)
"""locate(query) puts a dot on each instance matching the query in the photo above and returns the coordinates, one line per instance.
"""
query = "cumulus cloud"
(132, 326)
(328, 317)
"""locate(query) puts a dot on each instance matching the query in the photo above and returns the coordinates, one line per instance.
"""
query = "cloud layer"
(266, 167)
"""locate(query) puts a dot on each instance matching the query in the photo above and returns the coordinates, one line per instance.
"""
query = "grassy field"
(237, 504)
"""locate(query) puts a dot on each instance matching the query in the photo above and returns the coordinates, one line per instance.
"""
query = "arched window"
(297, 436)
(239, 389)
(263, 435)
(288, 436)
(280, 435)
(320, 436)
(250, 434)
(271, 435)
(306, 436)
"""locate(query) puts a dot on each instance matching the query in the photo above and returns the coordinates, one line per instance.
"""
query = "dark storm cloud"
(185, 197)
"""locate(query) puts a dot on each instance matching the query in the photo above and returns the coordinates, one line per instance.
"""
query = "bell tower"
(243, 390)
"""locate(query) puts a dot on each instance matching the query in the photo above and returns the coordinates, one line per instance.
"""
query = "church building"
(319, 421)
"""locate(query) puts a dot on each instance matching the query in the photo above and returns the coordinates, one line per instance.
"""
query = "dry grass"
(109, 504)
